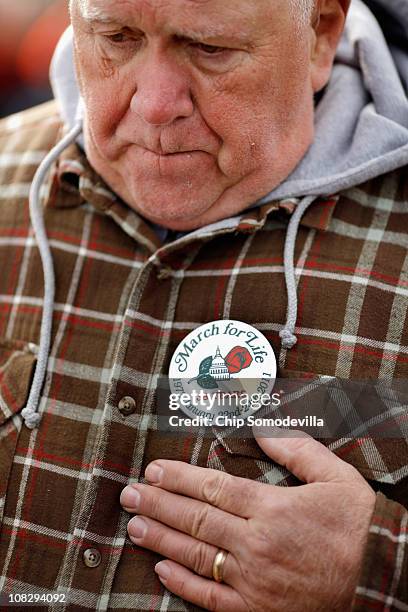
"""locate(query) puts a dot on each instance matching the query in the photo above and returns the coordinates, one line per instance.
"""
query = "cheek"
(104, 112)
(256, 123)
(232, 111)
(106, 92)
(268, 115)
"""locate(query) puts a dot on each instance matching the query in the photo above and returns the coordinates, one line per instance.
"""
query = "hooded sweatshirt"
(361, 132)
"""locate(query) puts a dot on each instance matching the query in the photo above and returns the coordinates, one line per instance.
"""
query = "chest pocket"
(17, 364)
(381, 460)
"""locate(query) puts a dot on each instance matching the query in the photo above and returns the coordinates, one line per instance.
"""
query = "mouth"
(191, 156)
(176, 164)
(161, 153)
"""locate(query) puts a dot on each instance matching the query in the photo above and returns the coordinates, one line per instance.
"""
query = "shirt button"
(92, 557)
(127, 406)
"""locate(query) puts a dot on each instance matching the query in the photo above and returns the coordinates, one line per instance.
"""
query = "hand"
(293, 549)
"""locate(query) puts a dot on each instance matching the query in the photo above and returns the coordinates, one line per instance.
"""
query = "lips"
(174, 165)
(162, 153)
(182, 137)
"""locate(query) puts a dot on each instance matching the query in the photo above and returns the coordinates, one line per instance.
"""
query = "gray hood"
(361, 119)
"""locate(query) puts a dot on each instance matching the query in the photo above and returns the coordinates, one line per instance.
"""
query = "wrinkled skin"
(295, 549)
(197, 108)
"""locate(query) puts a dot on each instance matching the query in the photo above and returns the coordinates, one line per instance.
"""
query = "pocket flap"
(381, 460)
(374, 440)
(17, 363)
(243, 457)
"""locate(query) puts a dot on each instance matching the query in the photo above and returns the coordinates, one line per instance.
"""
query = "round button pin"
(221, 369)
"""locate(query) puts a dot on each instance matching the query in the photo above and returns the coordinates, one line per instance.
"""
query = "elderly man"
(201, 153)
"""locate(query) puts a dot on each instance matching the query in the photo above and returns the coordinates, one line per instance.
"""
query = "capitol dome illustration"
(219, 369)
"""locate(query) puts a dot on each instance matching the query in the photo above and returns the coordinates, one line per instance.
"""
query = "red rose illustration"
(238, 359)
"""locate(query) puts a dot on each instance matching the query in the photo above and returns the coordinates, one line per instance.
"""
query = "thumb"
(309, 460)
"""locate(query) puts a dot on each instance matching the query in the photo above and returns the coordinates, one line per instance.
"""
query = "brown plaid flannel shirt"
(124, 302)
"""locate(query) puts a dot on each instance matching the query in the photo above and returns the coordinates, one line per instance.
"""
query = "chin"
(172, 216)
(175, 207)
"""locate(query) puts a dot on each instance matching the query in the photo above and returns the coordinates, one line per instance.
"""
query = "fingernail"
(154, 473)
(130, 498)
(163, 571)
(137, 528)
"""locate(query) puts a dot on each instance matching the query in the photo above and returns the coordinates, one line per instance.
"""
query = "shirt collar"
(74, 182)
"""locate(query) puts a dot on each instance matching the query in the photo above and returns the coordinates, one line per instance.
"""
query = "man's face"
(194, 108)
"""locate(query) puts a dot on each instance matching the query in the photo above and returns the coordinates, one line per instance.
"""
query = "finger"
(198, 519)
(307, 459)
(238, 496)
(197, 590)
(194, 554)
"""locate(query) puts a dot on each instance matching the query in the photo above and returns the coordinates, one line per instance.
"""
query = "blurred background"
(29, 31)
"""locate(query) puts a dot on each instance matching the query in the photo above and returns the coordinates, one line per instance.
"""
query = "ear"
(327, 27)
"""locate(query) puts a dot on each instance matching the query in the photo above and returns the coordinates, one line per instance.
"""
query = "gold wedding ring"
(218, 565)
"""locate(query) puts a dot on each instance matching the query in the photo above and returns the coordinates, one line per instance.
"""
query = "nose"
(162, 92)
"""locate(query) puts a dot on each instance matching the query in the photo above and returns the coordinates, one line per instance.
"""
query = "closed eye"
(120, 37)
(123, 37)
(209, 49)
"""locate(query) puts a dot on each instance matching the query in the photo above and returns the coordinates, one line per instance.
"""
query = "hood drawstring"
(30, 412)
(287, 334)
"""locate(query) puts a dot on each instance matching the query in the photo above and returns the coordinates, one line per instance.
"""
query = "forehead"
(246, 13)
